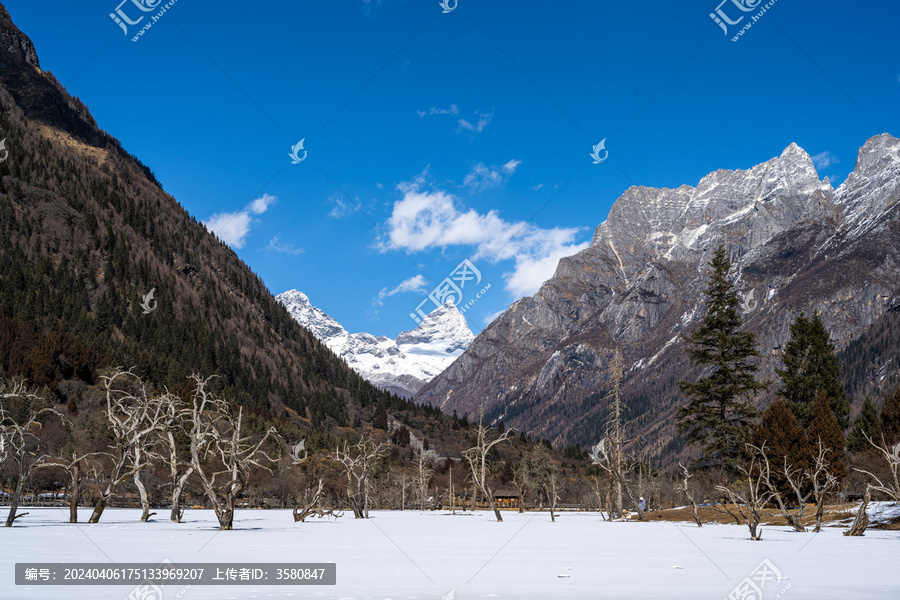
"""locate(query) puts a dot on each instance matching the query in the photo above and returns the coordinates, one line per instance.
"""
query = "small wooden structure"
(506, 499)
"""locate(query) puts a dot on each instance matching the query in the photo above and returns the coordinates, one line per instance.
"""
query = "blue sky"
(436, 137)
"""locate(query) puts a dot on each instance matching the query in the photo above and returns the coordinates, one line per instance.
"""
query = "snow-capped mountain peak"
(312, 318)
(445, 326)
(401, 366)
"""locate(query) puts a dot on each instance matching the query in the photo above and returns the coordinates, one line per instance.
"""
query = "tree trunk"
(862, 518)
(75, 474)
(142, 491)
(553, 505)
(696, 514)
(103, 501)
(226, 519)
(753, 524)
(792, 519)
(177, 512)
(101, 504)
(820, 512)
(490, 498)
(618, 499)
(14, 503)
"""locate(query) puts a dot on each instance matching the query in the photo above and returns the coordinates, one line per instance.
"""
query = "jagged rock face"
(401, 366)
(37, 93)
(16, 43)
(796, 243)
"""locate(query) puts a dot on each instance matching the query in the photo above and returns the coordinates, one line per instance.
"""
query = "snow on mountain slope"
(401, 366)
(796, 243)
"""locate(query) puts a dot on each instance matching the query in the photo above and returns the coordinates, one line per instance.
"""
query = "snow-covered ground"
(424, 556)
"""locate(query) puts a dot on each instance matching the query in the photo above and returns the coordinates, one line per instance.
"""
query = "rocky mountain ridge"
(796, 243)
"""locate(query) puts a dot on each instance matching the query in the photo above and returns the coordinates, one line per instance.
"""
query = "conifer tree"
(719, 408)
(785, 442)
(380, 420)
(865, 424)
(890, 419)
(811, 367)
(825, 427)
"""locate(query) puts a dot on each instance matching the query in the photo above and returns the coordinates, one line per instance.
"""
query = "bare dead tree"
(861, 521)
(423, 476)
(684, 488)
(221, 455)
(358, 463)
(18, 438)
(310, 505)
(614, 460)
(143, 456)
(617, 465)
(601, 490)
(823, 482)
(478, 463)
(544, 473)
(132, 419)
(796, 482)
(750, 494)
(890, 487)
(174, 410)
(73, 466)
(521, 482)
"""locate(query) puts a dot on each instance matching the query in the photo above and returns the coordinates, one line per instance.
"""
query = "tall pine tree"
(890, 419)
(864, 425)
(825, 428)
(719, 407)
(785, 443)
(811, 367)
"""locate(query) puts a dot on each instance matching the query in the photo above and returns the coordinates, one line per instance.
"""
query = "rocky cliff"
(796, 243)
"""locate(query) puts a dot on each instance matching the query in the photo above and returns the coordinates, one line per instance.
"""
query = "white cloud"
(342, 206)
(424, 220)
(532, 271)
(484, 119)
(261, 205)
(823, 160)
(511, 166)
(233, 228)
(483, 178)
(435, 110)
(276, 245)
(413, 284)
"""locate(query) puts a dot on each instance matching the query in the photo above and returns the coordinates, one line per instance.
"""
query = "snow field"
(423, 556)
